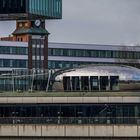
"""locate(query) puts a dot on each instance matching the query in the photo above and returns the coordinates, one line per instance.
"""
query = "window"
(19, 63)
(66, 52)
(6, 63)
(102, 54)
(72, 52)
(95, 53)
(87, 53)
(80, 53)
(108, 54)
(50, 52)
(115, 54)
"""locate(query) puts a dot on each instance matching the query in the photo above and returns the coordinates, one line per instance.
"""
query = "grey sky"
(94, 21)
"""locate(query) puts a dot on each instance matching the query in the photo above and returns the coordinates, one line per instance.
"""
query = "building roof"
(125, 73)
(36, 31)
(94, 46)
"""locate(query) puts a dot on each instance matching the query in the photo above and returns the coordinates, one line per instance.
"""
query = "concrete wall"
(70, 100)
(70, 131)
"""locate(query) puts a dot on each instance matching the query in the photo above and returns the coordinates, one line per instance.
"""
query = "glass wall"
(48, 8)
(12, 6)
(24, 80)
(13, 63)
(128, 57)
(70, 113)
(70, 64)
(13, 50)
(94, 53)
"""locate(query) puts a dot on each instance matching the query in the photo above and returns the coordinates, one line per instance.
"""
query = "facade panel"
(30, 9)
(47, 8)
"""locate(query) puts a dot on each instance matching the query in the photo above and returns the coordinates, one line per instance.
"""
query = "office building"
(15, 55)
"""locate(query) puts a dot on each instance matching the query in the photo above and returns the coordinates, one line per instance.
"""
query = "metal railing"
(71, 120)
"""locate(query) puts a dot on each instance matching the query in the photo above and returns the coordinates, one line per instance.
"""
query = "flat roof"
(94, 46)
(76, 46)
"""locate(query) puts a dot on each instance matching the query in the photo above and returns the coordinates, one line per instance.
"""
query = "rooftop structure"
(96, 78)
(30, 9)
(125, 73)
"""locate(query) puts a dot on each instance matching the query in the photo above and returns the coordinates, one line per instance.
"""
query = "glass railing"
(71, 120)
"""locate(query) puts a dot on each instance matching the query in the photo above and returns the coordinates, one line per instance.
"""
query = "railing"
(70, 120)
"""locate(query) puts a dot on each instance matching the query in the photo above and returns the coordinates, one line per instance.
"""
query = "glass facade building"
(66, 56)
(119, 56)
(30, 9)
(14, 55)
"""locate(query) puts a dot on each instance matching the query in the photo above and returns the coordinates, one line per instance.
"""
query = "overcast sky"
(93, 21)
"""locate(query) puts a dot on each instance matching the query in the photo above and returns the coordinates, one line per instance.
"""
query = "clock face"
(37, 23)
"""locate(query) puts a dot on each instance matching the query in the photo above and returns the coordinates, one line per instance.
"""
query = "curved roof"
(125, 73)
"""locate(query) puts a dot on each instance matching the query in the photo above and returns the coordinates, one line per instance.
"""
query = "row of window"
(39, 64)
(72, 52)
(70, 64)
(19, 84)
(70, 110)
(13, 50)
(94, 53)
(66, 64)
(12, 6)
(13, 63)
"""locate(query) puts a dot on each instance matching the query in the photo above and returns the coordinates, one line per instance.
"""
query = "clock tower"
(36, 35)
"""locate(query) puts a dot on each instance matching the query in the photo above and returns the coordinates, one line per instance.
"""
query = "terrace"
(70, 94)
